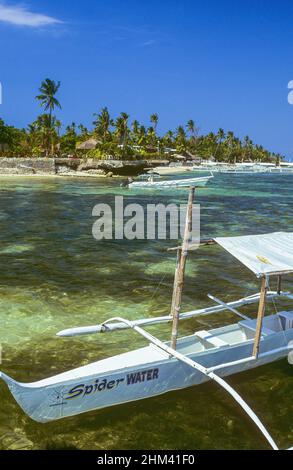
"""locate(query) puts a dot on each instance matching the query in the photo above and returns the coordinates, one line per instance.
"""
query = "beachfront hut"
(89, 144)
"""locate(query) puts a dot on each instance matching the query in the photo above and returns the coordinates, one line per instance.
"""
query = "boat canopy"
(269, 254)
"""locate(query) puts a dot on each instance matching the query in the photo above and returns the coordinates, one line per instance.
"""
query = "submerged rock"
(15, 441)
(16, 248)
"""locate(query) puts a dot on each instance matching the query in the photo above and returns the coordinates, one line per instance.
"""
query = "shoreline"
(60, 175)
(71, 167)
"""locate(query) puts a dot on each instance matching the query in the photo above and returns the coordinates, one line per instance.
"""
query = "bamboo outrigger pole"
(260, 316)
(182, 253)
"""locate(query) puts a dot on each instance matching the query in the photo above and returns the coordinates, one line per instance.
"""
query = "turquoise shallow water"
(54, 275)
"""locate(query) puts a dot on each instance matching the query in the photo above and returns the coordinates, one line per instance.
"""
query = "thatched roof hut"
(87, 145)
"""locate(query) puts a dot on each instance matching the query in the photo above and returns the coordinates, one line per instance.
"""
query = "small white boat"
(243, 168)
(171, 170)
(164, 366)
(176, 183)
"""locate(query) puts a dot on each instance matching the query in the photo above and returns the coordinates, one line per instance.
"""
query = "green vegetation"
(121, 139)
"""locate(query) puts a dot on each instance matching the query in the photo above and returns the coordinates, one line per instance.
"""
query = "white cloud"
(151, 42)
(19, 15)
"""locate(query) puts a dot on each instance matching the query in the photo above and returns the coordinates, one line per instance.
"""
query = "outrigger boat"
(171, 170)
(199, 181)
(164, 366)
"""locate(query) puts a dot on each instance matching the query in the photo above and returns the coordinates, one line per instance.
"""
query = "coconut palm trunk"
(49, 102)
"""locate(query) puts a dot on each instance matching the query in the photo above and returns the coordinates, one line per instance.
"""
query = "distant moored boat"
(178, 183)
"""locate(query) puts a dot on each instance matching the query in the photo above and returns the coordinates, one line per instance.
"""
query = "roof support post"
(180, 270)
(260, 316)
(279, 288)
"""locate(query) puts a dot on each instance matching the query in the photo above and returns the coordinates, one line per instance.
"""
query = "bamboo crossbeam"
(232, 309)
(102, 328)
(203, 242)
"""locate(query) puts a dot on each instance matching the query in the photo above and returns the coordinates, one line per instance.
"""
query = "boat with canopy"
(205, 355)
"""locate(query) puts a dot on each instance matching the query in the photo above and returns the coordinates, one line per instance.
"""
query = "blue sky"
(222, 63)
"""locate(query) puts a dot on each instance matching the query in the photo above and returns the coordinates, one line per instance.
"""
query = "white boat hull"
(180, 183)
(136, 375)
(171, 170)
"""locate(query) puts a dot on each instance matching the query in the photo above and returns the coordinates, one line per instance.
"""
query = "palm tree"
(229, 142)
(58, 125)
(33, 138)
(69, 139)
(154, 120)
(248, 146)
(125, 117)
(220, 137)
(142, 130)
(142, 140)
(135, 131)
(181, 141)
(221, 134)
(71, 129)
(103, 123)
(191, 127)
(83, 131)
(169, 138)
(121, 125)
(49, 102)
(181, 132)
(278, 158)
(167, 141)
(135, 127)
(46, 129)
(47, 98)
(237, 145)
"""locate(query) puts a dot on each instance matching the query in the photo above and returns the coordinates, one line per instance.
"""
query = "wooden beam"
(203, 242)
(260, 316)
(281, 273)
(208, 241)
(180, 270)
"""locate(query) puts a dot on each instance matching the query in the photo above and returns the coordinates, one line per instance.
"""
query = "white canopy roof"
(268, 254)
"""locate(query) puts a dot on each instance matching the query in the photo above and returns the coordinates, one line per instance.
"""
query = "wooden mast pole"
(260, 316)
(180, 270)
